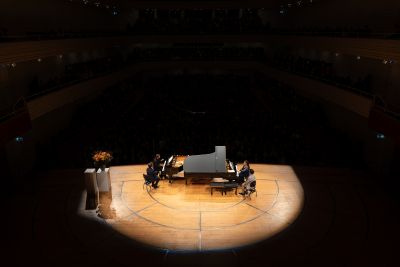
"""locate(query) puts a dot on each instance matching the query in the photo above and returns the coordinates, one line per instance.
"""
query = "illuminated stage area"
(188, 218)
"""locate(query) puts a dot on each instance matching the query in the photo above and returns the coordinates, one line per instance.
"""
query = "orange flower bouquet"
(101, 158)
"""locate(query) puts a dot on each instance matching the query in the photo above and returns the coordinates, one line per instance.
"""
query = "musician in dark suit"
(152, 175)
(244, 172)
(157, 162)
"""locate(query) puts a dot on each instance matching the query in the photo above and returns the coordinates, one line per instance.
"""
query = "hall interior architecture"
(301, 95)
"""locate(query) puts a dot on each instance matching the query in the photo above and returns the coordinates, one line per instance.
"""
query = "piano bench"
(224, 187)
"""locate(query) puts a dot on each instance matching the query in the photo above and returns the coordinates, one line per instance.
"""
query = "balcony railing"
(209, 30)
(12, 111)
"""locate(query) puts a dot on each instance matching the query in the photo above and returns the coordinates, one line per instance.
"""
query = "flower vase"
(100, 165)
(103, 167)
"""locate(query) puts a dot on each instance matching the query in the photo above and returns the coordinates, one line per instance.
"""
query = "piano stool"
(252, 189)
(224, 187)
(147, 182)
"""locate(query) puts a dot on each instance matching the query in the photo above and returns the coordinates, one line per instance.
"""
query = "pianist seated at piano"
(152, 175)
(157, 162)
(244, 172)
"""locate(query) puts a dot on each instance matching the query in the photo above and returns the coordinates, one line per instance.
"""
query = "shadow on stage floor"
(347, 220)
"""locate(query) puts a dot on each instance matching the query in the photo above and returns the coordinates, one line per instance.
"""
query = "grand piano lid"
(207, 163)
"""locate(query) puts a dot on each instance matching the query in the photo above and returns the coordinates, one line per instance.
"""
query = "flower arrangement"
(101, 158)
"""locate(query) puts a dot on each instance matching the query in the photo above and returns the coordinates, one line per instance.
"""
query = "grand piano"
(201, 167)
(208, 166)
(172, 166)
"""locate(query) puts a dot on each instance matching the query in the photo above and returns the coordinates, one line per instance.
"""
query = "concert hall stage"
(344, 217)
(179, 217)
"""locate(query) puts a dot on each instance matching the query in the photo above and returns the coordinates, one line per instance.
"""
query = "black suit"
(157, 164)
(152, 176)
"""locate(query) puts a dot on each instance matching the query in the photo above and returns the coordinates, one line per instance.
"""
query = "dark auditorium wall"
(385, 78)
(380, 16)
(3, 80)
(18, 81)
(52, 113)
(21, 157)
(393, 82)
(3, 159)
(23, 16)
(378, 154)
(20, 78)
(349, 116)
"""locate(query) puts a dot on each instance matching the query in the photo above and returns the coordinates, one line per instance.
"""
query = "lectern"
(92, 199)
(104, 180)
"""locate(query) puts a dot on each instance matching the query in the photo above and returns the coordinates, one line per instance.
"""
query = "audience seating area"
(321, 70)
(78, 72)
(252, 120)
(163, 21)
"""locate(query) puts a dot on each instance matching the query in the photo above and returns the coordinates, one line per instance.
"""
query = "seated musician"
(244, 172)
(246, 186)
(152, 175)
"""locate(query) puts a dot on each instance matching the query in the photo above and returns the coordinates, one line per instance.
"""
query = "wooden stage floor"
(348, 219)
(179, 217)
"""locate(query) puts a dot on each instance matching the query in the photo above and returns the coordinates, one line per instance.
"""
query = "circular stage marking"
(187, 217)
